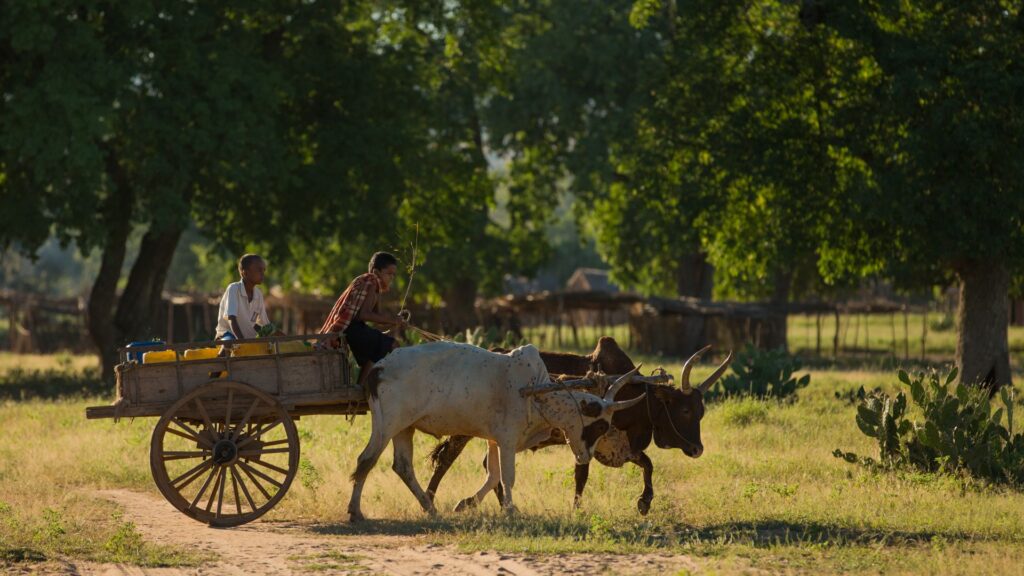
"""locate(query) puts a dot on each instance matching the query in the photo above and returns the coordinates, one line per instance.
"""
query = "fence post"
(835, 338)
(817, 340)
(924, 332)
(906, 334)
(892, 324)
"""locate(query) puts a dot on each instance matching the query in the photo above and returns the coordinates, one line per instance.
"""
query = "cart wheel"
(224, 453)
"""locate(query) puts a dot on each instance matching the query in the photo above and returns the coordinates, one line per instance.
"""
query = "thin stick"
(412, 268)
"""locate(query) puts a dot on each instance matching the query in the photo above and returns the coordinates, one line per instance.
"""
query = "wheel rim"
(225, 453)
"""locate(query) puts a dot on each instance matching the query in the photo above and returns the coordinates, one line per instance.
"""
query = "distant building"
(591, 280)
(520, 285)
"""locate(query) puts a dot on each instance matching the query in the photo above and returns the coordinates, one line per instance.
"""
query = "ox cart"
(225, 449)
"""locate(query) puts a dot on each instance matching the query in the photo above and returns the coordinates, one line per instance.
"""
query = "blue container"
(137, 356)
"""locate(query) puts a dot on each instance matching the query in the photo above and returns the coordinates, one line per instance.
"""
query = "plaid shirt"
(349, 303)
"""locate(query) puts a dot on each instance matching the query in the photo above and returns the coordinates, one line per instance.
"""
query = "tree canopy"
(796, 145)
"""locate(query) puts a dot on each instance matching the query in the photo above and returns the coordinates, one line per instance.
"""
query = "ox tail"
(439, 453)
(362, 470)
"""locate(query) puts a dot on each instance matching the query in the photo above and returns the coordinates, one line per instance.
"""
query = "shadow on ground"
(18, 384)
(762, 534)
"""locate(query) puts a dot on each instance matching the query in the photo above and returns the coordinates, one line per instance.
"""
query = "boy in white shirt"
(241, 307)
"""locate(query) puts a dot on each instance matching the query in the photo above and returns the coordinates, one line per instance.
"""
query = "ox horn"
(621, 381)
(613, 407)
(716, 375)
(684, 380)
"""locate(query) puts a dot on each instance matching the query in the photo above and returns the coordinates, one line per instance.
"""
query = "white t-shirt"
(236, 303)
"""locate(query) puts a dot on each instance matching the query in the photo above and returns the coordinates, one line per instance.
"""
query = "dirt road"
(276, 548)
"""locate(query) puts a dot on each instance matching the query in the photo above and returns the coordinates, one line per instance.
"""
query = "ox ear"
(591, 409)
(613, 407)
(715, 375)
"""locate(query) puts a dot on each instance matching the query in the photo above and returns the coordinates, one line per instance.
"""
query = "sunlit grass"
(767, 494)
(28, 362)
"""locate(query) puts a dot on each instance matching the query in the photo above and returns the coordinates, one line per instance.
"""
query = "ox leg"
(643, 503)
(403, 467)
(493, 477)
(498, 492)
(507, 457)
(366, 461)
(443, 456)
(582, 474)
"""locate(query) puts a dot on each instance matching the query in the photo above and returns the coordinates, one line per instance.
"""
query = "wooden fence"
(560, 320)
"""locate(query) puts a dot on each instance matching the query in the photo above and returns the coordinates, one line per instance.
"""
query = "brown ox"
(669, 415)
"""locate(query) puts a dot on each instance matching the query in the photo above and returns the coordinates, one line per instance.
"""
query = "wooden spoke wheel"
(224, 453)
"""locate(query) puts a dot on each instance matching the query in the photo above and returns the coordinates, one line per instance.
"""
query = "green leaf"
(872, 417)
(870, 430)
(952, 375)
(930, 436)
(917, 393)
(899, 405)
(902, 375)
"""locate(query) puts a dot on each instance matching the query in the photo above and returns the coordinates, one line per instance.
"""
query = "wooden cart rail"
(315, 381)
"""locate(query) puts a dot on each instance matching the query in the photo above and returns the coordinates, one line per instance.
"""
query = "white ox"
(446, 388)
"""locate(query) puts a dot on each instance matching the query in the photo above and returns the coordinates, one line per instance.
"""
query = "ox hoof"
(643, 506)
(465, 504)
(356, 516)
(510, 510)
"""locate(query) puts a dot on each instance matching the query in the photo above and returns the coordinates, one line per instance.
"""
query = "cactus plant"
(959, 430)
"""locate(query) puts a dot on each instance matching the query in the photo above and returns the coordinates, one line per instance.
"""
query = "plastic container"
(251, 349)
(292, 347)
(159, 356)
(137, 356)
(201, 353)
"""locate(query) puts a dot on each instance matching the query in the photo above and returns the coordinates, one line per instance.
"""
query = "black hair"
(381, 260)
(246, 260)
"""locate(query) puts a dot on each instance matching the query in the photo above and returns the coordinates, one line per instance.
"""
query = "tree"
(268, 125)
(941, 136)
(468, 241)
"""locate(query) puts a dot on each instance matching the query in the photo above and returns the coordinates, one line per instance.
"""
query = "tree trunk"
(694, 276)
(773, 336)
(460, 305)
(138, 303)
(982, 348)
(141, 298)
(116, 216)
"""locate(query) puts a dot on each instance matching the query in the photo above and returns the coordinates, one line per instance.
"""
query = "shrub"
(744, 412)
(959, 430)
(761, 374)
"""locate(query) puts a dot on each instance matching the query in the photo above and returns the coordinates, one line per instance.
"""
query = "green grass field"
(766, 495)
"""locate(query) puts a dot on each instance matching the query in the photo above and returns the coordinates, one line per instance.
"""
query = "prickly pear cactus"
(959, 429)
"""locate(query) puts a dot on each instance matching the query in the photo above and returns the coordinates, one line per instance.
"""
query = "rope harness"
(562, 387)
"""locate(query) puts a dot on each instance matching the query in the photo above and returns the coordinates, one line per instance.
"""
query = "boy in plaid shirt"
(359, 304)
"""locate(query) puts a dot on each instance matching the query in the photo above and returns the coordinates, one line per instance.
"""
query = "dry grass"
(29, 362)
(766, 495)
